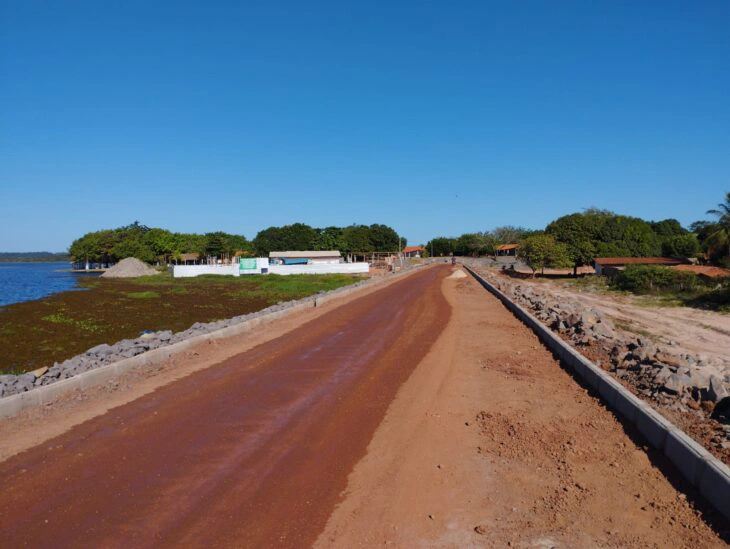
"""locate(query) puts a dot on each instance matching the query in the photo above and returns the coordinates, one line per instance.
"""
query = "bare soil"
(704, 333)
(693, 330)
(491, 443)
(421, 413)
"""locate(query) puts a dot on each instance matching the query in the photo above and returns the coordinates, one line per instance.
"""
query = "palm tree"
(720, 236)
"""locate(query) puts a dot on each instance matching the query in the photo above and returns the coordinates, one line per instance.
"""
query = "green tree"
(384, 238)
(297, 236)
(719, 237)
(541, 251)
(356, 238)
(441, 246)
(161, 241)
(667, 228)
(329, 238)
(509, 234)
(215, 244)
(473, 244)
(578, 232)
(132, 247)
(681, 245)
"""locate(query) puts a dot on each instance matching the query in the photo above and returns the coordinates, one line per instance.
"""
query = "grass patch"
(593, 283)
(58, 318)
(178, 290)
(61, 318)
(143, 295)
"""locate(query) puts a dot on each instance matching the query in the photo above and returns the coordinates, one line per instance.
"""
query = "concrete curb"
(45, 394)
(706, 473)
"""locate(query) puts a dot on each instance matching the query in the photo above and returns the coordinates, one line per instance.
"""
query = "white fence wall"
(183, 271)
(320, 268)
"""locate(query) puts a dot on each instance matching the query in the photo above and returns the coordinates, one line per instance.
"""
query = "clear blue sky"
(432, 117)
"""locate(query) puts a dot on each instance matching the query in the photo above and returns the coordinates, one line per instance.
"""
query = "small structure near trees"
(611, 266)
(319, 257)
(413, 251)
(507, 250)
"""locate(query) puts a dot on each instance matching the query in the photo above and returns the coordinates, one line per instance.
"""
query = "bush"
(643, 279)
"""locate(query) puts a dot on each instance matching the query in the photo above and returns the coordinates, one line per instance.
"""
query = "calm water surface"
(28, 281)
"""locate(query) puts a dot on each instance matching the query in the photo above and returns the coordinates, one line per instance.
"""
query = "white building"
(305, 257)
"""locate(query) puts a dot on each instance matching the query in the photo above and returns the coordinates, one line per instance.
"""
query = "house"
(507, 249)
(613, 265)
(413, 251)
(305, 257)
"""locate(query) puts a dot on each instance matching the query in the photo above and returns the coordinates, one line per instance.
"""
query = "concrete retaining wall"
(42, 395)
(708, 474)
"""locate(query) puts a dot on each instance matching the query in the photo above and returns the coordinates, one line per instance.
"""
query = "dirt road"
(354, 431)
(253, 452)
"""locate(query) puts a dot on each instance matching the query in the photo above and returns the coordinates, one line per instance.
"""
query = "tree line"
(155, 244)
(575, 239)
(32, 257)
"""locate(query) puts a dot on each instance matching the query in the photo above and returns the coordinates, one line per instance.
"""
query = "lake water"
(28, 281)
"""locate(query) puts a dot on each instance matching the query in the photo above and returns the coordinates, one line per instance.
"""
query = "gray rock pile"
(104, 354)
(661, 372)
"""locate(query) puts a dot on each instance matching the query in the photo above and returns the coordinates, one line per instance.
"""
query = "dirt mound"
(458, 274)
(130, 267)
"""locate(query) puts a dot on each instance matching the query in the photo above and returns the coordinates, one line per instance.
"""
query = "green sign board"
(247, 264)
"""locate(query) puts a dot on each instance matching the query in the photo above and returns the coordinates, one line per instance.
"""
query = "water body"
(28, 281)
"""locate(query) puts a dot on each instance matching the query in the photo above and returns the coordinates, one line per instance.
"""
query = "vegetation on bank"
(674, 287)
(660, 286)
(33, 257)
(155, 244)
(576, 239)
(39, 333)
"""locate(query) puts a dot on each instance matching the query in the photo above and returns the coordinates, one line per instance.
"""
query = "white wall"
(321, 268)
(183, 271)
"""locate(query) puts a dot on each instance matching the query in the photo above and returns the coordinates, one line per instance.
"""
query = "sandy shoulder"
(490, 443)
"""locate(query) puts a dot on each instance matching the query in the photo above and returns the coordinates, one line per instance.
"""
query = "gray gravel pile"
(131, 267)
(664, 373)
(104, 354)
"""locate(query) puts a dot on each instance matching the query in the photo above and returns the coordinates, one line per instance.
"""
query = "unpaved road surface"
(423, 414)
(491, 443)
(253, 452)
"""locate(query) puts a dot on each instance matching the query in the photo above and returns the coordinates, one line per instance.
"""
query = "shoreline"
(64, 324)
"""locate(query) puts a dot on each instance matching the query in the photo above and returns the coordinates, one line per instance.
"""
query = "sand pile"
(458, 274)
(130, 267)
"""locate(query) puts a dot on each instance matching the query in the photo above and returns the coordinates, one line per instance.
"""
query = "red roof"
(409, 249)
(637, 261)
(705, 270)
(503, 247)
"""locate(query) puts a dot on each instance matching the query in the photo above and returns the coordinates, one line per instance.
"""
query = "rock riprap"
(661, 372)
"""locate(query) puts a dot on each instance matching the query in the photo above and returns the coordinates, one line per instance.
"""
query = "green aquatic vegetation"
(61, 318)
(143, 295)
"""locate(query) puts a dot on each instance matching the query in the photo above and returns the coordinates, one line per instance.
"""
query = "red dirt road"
(252, 452)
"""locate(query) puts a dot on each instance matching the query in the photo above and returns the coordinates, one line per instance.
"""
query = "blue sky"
(432, 117)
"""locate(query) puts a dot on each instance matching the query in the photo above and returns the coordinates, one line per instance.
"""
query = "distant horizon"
(433, 119)
(410, 241)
